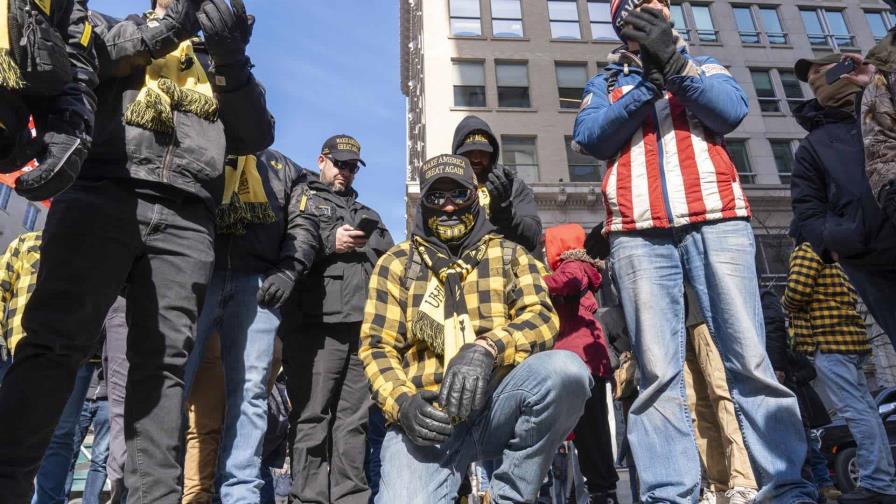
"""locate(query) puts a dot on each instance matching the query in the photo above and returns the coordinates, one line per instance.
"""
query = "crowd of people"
(214, 313)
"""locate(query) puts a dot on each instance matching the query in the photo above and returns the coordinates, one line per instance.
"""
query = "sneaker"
(741, 495)
(864, 496)
(708, 497)
(830, 493)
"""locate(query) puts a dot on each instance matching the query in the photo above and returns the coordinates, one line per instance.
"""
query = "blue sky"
(330, 69)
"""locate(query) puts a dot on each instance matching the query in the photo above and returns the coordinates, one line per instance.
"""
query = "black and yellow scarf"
(245, 201)
(10, 75)
(176, 82)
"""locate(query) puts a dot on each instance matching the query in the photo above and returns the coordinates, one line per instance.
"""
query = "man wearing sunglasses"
(320, 330)
(676, 213)
(454, 343)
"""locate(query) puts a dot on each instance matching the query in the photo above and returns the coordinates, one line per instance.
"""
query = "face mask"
(841, 94)
(451, 228)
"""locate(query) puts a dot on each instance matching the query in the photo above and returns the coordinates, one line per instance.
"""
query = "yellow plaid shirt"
(822, 306)
(518, 318)
(17, 279)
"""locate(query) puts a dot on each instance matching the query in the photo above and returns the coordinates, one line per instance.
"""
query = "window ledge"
(568, 110)
(761, 46)
(471, 109)
(780, 46)
(572, 41)
(515, 109)
(774, 114)
(709, 44)
(456, 37)
(510, 39)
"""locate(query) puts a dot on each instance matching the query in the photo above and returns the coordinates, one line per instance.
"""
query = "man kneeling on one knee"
(454, 341)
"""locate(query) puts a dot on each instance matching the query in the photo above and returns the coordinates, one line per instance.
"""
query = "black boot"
(864, 496)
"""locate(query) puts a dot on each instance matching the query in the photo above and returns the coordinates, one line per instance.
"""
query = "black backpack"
(38, 48)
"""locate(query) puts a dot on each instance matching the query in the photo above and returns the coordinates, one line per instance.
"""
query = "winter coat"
(668, 165)
(878, 116)
(517, 219)
(289, 244)
(832, 201)
(192, 159)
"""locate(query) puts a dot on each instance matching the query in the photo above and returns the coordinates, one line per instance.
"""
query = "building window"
(507, 19)
(465, 18)
(826, 27)
(765, 91)
(782, 150)
(31, 213)
(706, 29)
(771, 23)
(564, 17)
(519, 153)
(5, 193)
(737, 149)
(681, 23)
(793, 90)
(746, 25)
(582, 167)
(513, 84)
(880, 23)
(601, 22)
(469, 84)
(571, 80)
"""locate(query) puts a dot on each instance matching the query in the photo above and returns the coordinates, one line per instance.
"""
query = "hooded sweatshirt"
(516, 219)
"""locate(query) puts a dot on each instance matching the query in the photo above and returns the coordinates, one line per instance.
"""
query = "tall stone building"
(521, 65)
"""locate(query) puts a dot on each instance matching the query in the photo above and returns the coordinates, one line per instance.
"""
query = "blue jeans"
(717, 260)
(842, 378)
(247, 334)
(49, 486)
(376, 432)
(530, 413)
(818, 465)
(94, 413)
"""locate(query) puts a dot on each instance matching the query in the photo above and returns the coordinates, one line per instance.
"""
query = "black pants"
(594, 443)
(100, 236)
(330, 398)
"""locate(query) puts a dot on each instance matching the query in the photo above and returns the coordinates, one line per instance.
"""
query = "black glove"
(649, 28)
(499, 184)
(275, 289)
(16, 147)
(227, 31)
(178, 24)
(654, 75)
(463, 388)
(60, 152)
(425, 424)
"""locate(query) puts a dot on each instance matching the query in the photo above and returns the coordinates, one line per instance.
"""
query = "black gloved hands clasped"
(227, 30)
(275, 289)
(60, 152)
(425, 424)
(499, 184)
(650, 29)
(466, 379)
(178, 24)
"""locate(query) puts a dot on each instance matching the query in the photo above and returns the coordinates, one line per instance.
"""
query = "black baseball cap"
(447, 166)
(343, 148)
(803, 65)
(476, 140)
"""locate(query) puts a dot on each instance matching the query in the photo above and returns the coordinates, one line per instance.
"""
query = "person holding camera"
(321, 330)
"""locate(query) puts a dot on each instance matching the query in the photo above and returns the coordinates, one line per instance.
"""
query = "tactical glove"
(227, 31)
(466, 378)
(654, 75)
(425, 424)
(59, 159)
(649, 28)
(499, 184)
(178, 24)
(275, 289)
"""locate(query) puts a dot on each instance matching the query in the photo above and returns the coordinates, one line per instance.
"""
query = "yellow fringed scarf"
(245, 201)
(10, 76)
(175, 82)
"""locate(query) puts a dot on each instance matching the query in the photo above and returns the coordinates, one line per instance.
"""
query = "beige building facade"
(521, 66)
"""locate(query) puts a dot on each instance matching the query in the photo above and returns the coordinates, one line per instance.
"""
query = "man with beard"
(508, 202)
(454, 342)
(140, 214)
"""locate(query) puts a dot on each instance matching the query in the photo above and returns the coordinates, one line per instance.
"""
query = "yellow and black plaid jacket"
(822, 306)
(17, 279)
(518, 317)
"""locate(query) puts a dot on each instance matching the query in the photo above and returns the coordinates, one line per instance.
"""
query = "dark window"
(765, 91)
(706, 29)
(582, 167)
(793, 90)
(519, 153)
(737, 149)
(743, 16)
(507, 18)
(31, 214)
(601, 22)
(469, 84)
(783, 153)
(564, 18)
(571, 80)
(827, 27)
(771, 23)
(513, 84)
(465, 18)
(5, 193)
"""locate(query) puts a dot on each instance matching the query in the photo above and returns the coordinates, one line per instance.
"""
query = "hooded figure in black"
(506, 200)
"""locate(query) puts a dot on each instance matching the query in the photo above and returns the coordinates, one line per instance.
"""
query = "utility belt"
(38, 48)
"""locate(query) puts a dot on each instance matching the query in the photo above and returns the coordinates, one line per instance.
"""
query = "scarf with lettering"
(176, 82)
(245, 201)
(10, 75)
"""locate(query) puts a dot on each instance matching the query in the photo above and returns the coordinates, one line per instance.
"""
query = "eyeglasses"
(437, 199)
(345, 165)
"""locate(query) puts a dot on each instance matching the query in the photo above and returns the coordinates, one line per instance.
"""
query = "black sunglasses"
(436, 199)
(345, 165)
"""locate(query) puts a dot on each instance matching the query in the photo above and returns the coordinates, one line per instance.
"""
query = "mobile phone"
(844, 67)
(368, 225)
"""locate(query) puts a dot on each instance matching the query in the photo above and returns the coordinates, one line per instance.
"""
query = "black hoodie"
(516, 219)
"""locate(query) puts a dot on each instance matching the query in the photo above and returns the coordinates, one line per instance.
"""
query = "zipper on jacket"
(169, 151)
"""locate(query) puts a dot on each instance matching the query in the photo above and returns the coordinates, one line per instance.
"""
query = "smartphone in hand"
(368, 225)
(844, 67)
